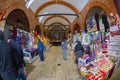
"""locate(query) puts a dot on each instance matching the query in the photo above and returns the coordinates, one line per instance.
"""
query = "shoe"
(65, 59)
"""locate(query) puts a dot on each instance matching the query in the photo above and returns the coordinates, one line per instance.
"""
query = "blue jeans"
(64, 54)
(21, 75)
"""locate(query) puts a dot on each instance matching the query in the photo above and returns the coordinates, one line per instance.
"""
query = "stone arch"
(58, 2)
(54, 16)
(60, 30)
(25, 10)
(93, 10)
(57, 23)
(21, 20)
(91, 5)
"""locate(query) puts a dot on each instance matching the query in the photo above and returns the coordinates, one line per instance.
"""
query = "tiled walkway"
(54, 67)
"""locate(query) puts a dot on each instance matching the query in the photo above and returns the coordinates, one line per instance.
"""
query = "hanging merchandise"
(105, 22)
(27, 39)
(77, 37)
(113, 19)
(35, 37)
(14, 32)
(91, 24)
(2, 15)
(2, 24)
(97, 21)
(31, 39)
(101, 25)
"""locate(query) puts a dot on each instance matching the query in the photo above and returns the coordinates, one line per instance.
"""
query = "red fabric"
(114, 17)
(98, 76)
(116, 33)
(69, 35)
(35, 34)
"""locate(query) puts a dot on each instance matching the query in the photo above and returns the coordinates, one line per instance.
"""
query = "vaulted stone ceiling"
(56, 6)
(65, 12)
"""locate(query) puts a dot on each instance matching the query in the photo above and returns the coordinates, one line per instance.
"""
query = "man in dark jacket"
(18, 54)
(8, 70)
(79, 50)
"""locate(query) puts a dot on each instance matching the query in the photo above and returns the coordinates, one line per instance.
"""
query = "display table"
(100, 75)
(99, 69)
(30, 55)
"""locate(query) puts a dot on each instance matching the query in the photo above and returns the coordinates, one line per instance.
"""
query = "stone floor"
(54, 67)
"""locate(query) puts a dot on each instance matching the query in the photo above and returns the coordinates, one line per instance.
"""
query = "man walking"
(64, 48)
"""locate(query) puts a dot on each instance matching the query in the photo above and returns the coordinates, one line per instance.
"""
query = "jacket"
(18, 53)
(40, 46)
(79, 47)
(8, 70)
(63, 45)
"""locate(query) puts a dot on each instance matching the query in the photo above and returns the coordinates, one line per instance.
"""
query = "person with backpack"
(41, 50)
(8, 69)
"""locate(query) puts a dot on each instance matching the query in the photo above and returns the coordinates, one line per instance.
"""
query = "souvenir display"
(2, 24)
(91, 24)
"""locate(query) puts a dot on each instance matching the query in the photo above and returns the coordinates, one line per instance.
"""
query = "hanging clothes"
(14, 32)
(105, 22)
(97, 20)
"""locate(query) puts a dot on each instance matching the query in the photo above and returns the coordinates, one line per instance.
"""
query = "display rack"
(114, 41)
(114, 44)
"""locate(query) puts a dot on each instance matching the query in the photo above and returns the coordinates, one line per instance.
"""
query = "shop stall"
(96, 63)
(114, 44)
(97, 69)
